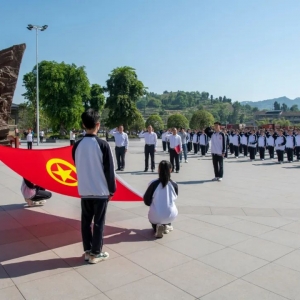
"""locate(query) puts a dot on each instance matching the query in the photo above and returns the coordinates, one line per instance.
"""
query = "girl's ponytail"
(164, 172)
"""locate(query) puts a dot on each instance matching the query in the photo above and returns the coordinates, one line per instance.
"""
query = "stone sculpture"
(10, 61)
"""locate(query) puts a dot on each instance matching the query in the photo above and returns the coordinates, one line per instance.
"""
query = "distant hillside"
(269, 104)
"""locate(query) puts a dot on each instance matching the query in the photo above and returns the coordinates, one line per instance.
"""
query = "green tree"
(294, 108)
(156, 122)
(282, 122)
(284, 107)
(138, 124)
(276, 105)
(201, 119)
(177, 120)
(97, 98)
(63, 88)
(124, 90)
(154, 102)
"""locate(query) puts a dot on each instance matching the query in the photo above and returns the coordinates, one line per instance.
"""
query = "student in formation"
(235, 139)
(195, 142)
(160, 196)
(231, 149)
(164, 140)
(203, 142)
(96, 185)
(280, 142)
(190, 140)
(150, 147)
(183, 135)
(290, 146)
(175, 149)
(34, 194)
(29, 139)
(244, 142)
(252, 141)
(262, 143)
(121, 141)
(271, 143)
(297, 141)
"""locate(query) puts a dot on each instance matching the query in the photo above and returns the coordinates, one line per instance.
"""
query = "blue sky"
(245, 50)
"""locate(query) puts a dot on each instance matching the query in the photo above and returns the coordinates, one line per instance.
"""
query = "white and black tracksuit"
(252, 141)
(262, 143)
(236, 144)
(244, 143)
(96, 183)
(203, 143)
(271, 145)
(280, 142)
(195, 142)
(289, 147)
(297, 140)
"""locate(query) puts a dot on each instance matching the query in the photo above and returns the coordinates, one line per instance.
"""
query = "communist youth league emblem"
(62, 171)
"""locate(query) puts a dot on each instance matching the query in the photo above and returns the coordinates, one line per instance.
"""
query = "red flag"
(54, 170)
(177, 149)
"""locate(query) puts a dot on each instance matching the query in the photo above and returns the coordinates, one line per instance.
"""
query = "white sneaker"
(159, 231)
(215, 179)
(168, 228)
(95, 258)
(186, 161)
(42, 202)
(220, 179)
(87, 255)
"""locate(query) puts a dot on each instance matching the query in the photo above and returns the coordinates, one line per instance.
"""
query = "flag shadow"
(194, 182)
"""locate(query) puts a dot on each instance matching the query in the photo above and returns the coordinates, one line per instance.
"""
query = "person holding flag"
(175, 149)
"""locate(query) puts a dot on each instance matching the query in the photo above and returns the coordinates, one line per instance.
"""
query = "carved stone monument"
(10, 61)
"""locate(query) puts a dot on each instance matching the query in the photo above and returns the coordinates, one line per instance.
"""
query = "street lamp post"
(37, 28)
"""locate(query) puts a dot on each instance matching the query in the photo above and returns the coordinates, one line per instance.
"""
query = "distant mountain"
(269, 104)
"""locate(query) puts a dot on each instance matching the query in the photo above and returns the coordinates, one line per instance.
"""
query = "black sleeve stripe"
(74, 149)
(148, 196)
(175, 186)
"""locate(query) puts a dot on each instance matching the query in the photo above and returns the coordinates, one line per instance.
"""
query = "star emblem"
(64, 174)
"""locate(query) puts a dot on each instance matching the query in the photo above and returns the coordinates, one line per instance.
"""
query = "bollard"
(17, 142)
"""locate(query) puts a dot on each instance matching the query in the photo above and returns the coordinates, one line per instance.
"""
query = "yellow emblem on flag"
(62, 171)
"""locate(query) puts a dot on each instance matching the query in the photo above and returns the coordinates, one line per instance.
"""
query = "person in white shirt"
(29, 139)
(42, 135)
(72, 137)
(150, 147)
(271, 143)
(262, 143)
(290, 146)
(280, 142)
(121, 140)
(160, 196)
(164, 140)
(175, 149)
(297, 140)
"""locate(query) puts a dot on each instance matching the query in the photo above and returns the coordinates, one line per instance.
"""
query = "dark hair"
(90, 118)
(164, 172)
(217, 123)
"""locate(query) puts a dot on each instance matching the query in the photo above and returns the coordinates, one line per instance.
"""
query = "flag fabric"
(54, 170)
(177, 149)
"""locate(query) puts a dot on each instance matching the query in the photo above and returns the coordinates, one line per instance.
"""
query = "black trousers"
(120, 155)
(207, 147)
(41, 139)
(236, 151)
(174, 156)
(203, 149)
(218, 165)
(252, 151)
(164, 144)
(271, 151)
(297, 152)
(29, 145)
(72, 142)
(41, 194)
(149, 150)
(195, 148)
(290, 154)
(189, 146)
(241, 148)
(245, 150)
(280, 154)
(168, 146)
(261, 152)
(231, 148)
(154, 226)
(93, 208)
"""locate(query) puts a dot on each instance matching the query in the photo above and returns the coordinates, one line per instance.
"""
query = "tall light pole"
(37, 28)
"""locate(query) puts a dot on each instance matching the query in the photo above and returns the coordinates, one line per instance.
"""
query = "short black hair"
(90, 118)
(217, 123)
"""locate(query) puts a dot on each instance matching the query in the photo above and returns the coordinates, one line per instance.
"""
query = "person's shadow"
(33, 241)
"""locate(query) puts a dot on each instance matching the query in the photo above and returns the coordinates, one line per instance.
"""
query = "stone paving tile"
(262, 212)
(7, 222)
(217, 219)
(150, 288)
(250, 228)
(278, 279)
(293, 227)
(98, 297)
(158, 259)
(194, 246)
(268, 221)
(193, 226)
(241, 290)
(68, 286)
(233, 262)
(282, 237)
(227, 211)
(263, 249)
(196, 278)
(35, 266)
(14, 235)
(5, 280)
(291, 260)
(224, 236)
(113, 273)
(11, 293)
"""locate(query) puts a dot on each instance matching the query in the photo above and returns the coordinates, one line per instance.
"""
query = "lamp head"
(29, 27)
(44, 27)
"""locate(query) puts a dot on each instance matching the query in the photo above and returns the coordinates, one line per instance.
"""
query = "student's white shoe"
(168, 228)
(186, 161)
(42, 202)
(220, 179)
(215, 179)
(95, 258)
(87, 255)
(159, 231)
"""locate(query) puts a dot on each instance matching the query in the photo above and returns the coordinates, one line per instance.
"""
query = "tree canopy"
(156, 122)
(177, 120)
(201, 119)
(124, 89)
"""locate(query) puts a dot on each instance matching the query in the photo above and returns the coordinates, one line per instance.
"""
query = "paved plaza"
(235, 239)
